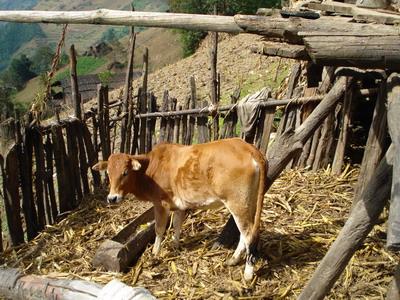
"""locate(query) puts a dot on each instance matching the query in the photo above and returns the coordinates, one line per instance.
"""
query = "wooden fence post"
(393, 113)
(192, 120)
(213, 82)
(231, 118)
(202, 125)
(73, 163)
(48, 147)
(342, 141)
(126, 126)
(164, 120)
(83, 159)
(10, 174)
(76, 97)
(91, 154)
(41, 202)
(64, 181)
(376, 143)
(25, 163)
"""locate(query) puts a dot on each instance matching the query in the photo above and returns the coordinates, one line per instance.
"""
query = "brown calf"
(175, 177)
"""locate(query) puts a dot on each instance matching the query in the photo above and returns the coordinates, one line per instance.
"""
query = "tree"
(18, 73)
(191, 39)
(41, 60)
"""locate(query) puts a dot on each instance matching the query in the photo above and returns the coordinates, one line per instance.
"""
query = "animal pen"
(46, 167)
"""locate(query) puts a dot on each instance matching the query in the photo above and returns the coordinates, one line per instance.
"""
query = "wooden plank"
(358, 13)
(25, 151)
(83, 159)
(282, 50)
(73, 164)
(360, 222)
(48, 147)
(39, 178)
(65, 189)
(10, 174)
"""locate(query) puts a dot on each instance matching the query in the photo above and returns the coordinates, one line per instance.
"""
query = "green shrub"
(191, 39)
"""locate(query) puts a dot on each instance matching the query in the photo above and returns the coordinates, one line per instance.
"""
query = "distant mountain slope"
(25, 38)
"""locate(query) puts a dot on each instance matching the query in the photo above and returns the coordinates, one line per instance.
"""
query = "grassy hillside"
(16, 39)
(153, 38)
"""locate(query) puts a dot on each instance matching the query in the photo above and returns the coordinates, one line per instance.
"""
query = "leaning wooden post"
(214, 83)
(393, 292)
(289, 144)
(127, 98)
(360, 222)
(375, 147)
(393, 232)
(10, 174)
(76, 97)
(100, 112)
(143, 101)
(341, 144)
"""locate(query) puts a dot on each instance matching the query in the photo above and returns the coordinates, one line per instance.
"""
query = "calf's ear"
(135, 164)
(100, 166)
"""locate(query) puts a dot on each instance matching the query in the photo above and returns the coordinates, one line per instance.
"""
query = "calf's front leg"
(161, 219)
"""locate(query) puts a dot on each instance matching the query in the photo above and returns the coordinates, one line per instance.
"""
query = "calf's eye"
(125, 173)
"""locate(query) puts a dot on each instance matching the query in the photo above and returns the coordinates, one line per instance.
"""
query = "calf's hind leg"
(244, 219)
(179, 217)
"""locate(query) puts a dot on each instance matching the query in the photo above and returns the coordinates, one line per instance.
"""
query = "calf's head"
(122, 172)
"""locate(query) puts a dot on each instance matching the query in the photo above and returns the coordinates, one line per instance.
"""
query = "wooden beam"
(338, 50)
(358, 13)
(125, 18)
(282, 50)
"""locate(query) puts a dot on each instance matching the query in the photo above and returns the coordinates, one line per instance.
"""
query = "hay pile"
(302, 215)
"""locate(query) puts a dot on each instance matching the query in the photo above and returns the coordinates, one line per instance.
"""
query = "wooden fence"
(46, 168)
